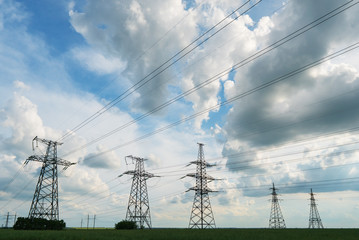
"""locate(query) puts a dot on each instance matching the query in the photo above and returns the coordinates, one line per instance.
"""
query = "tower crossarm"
(200, 163)
(204, 190)
(189, 175)
(43, 158)
(64, 163)
(205, 176)
(145, 175)
(132, 172)
(45, 141)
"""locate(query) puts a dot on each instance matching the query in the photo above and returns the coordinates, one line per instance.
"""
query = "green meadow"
(174, 234)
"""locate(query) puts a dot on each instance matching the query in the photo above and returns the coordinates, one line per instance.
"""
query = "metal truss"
(138, 209)
(45, 203)
(314, 218)
(276, 219)
(201, 214)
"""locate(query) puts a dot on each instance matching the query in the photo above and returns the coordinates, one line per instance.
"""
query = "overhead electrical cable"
(168, 31)
(239, 96)
(295, 185)
(13, 178)
(255, 165)
(223, 73)
(140, 56)
(158, 70)
(249, 166)
(326, 182)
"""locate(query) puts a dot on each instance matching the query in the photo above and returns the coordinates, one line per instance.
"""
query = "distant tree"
(38, 224)
(124, 224)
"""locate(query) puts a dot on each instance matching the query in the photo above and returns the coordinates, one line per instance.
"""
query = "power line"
(281, 172)
(143, 81)
(318, 183)
(167, 32)
(13, 178)
(142, 54)
(250, 176)
(277, 148)
(239, 96)
(253, 166)
(247, 60)
(273, 157)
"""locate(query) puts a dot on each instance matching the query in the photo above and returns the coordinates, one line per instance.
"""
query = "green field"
(174, 234)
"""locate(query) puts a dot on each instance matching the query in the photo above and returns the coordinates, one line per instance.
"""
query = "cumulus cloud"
(98, 63)
(138, 33)
(21, 85)
(127, 30)
(20, 116)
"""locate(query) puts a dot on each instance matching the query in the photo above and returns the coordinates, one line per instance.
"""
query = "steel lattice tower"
(276, 219)
(201, 214)
(314, 218)
(138, 209)
(45, 203)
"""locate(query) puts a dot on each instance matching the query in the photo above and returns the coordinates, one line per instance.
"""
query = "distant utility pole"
(314, 218)
(276, 219)
(45, 203)
(138, 209)
(88, 221)
(201, 214)
(8, 218)
(94, 221)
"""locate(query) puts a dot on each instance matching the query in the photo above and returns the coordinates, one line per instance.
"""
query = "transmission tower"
(276, 219)
(314, 218)
(201, 214)
(45, 203)
(138, 209)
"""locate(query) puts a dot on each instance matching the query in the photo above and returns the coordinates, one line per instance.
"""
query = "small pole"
(15, 219)
(94, 221)
(81, 222)
(88, 219)
(7, 220)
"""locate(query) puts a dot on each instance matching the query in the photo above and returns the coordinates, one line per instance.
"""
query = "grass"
(186, 234)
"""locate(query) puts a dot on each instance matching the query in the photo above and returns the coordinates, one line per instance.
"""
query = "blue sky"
(50, 21)
(61, 62)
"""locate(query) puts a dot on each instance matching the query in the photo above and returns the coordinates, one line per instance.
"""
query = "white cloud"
(21, 117)
(125, 30)
(21, 85)
(96, 62)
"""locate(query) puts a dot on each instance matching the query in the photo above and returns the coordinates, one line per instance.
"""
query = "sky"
(270, 87)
